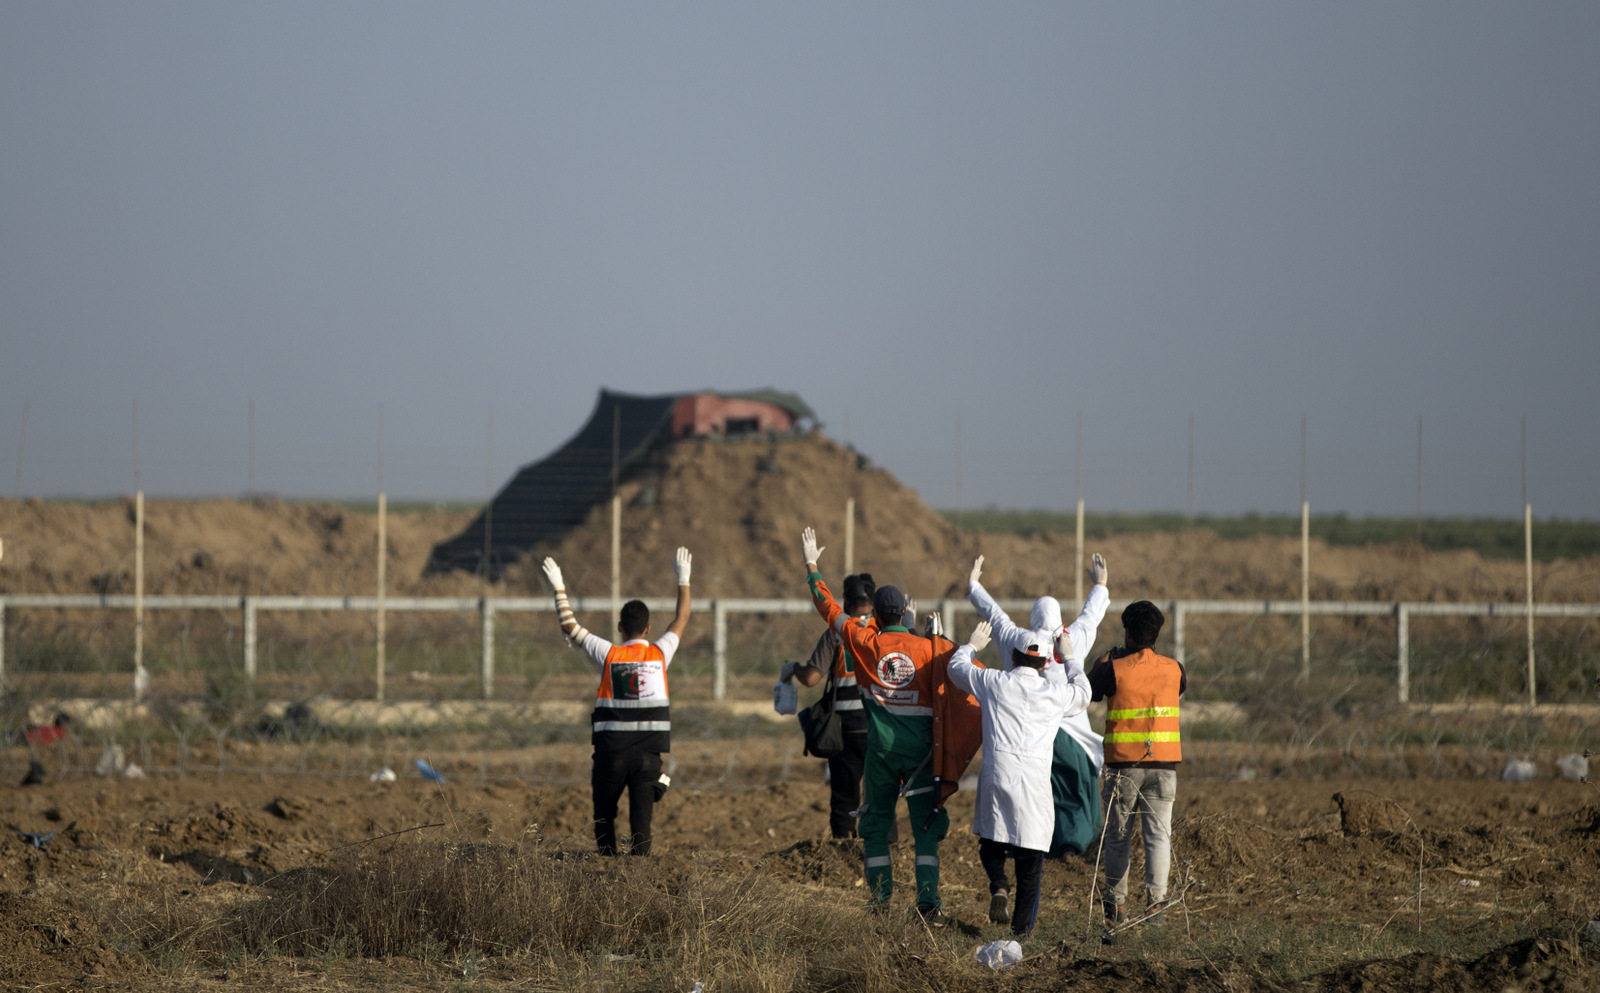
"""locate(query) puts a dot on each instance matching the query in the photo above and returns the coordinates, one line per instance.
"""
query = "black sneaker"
(934, 917)
(999, 911)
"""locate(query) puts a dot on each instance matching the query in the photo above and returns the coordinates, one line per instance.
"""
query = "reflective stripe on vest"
(633, 725)
(1142, 716)
(1128, 715)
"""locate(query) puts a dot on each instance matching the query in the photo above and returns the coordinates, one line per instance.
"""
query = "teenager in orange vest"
(1143, 749)
(896, 675)
(632, 722)
(844, 769)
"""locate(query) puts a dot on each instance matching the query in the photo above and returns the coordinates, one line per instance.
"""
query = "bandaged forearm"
(569, 623)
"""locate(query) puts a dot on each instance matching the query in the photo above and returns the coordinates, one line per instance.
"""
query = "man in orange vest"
(1141, 690)
(632, 721)
(896, 674)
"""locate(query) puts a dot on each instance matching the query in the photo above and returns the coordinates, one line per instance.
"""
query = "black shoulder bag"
(822, 725)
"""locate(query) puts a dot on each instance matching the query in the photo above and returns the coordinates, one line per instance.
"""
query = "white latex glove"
(1097, 569)
(908, 617)
(980, 637)
(808, 545)
(787, 672)
(680, 565)
(977, 570)
(1063, 646)
(933, 627)
(552, 572)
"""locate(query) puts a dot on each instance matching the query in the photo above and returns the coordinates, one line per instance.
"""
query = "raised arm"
(962, 670)
(680, 565)
(1080, 633)
(1000, 625)
(821, 597)
(596, 646)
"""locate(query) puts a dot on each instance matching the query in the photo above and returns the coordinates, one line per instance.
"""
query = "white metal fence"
(487, 609)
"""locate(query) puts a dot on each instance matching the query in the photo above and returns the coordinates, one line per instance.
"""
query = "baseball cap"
(1033, 654)
(889, 601)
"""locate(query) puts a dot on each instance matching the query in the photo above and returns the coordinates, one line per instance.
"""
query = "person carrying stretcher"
(897, 678)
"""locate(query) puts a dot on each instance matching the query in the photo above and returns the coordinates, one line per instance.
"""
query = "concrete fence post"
(486, 669)
(1078, 586)
(1527, 542)
(140, 678)
(947, 613)
(2, 643)
(248, 605)
(1402, 650)
(719, 650)
(1178, 650)
(1305, 586)
(380, 663)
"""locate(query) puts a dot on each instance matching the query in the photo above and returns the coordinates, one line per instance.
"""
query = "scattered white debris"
(133, 772)
(112, 761)
(998, 954)
(1245, 774)
(699, 987)
(1574, 767)
(1594, 931)
(1471, 884)
(1519, 771)
(785, 697)
(384, 775)
(620, 958)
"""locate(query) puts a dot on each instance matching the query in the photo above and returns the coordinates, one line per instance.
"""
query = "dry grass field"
(314, 881)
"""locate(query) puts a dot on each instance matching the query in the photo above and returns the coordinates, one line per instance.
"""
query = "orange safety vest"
(847, 691)
(631, 707)
(1142, 716)
(896, 669)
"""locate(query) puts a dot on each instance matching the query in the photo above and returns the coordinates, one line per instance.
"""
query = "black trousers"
(636, 771)
(1030, 873)
(844, 779)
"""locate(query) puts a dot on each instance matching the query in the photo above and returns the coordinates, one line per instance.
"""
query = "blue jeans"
(1148, 795)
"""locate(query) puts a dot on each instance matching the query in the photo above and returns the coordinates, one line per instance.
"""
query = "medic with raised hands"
(632, 719)
(897, 682)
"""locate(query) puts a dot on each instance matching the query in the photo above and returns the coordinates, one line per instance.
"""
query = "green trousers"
(1076, 791)
(880, 791)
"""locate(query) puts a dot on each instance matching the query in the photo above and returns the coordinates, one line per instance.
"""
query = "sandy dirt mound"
(740, 507)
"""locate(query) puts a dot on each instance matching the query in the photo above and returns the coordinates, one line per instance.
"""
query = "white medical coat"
(1046, 621)
(1021, 711)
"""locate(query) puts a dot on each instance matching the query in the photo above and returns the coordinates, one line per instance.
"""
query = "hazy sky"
(907, 213)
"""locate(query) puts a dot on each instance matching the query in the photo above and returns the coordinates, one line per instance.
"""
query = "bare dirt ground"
(1306, 884)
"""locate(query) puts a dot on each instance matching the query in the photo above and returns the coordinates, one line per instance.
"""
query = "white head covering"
(1046, 617)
